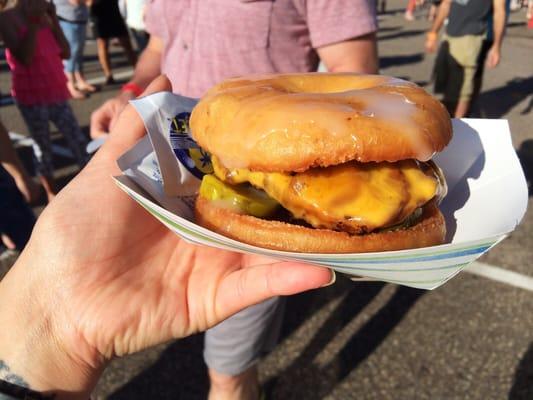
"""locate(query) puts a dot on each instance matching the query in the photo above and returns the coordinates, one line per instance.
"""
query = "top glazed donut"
(253, 122)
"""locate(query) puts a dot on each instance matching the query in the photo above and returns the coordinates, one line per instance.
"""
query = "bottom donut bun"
(429, 230)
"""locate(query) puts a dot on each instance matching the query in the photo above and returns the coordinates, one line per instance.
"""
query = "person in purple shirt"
(199, 43)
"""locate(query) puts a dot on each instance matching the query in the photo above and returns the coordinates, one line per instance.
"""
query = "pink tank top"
(43, 81)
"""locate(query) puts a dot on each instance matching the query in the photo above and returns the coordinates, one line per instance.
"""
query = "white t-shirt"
(135, 13)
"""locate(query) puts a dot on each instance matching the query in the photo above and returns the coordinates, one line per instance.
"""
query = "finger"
(117, 109)
(248, 286)
(114, 118)
(129, 127)
(99, 122)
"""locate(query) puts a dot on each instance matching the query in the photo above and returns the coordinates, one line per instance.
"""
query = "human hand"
(103, 119)
(493, 57)
(431, 42)
(101, 278)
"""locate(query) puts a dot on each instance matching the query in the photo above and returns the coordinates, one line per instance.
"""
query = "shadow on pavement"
(498, 102)
(523, 380)
(3, 64)
(179, 373)
(304, 378)
(513, 24)
(389, 28)
(389, 61)
(403, 34)
(391, 11)
(528, 108)
(525, 155)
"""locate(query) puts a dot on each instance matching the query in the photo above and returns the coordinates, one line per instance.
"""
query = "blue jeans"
(75, 33)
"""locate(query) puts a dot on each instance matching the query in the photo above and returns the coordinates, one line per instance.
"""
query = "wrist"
(125, 97)
(132, 89)
(432, 35)
(32, 351)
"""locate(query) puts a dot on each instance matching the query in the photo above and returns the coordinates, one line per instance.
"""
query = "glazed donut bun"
(293, 122)
(322, 163)
(278, 235)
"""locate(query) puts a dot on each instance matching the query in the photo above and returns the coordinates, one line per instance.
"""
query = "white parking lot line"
(501, 275)
(119, 75)
(23, 141)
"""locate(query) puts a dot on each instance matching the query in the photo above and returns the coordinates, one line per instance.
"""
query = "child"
(35, 46)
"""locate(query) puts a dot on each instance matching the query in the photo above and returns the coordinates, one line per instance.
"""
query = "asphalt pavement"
(469, 339)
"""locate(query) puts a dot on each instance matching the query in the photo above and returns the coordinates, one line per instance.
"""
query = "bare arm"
(499, 17)
(356, 55)
(432, 35)
(147, 69)
(442, 14)
(499, 21)
(149, 64)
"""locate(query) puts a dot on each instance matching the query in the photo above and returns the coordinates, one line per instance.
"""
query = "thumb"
(129, 127)
(251, 285)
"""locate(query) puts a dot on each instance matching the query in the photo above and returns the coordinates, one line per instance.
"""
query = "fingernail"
(332, 280)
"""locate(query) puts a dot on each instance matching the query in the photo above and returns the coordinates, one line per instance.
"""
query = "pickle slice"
(242, 198)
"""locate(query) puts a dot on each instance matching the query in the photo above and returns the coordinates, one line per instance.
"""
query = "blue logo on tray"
(196, 160)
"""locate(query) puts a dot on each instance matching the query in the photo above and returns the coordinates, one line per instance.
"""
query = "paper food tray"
(486, 200)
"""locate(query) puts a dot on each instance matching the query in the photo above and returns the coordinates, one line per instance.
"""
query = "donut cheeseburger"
(326, 163)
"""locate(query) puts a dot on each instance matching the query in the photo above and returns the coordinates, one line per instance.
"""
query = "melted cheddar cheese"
(352, 197)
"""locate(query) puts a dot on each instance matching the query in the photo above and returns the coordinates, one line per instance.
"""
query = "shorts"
(459, 67)
(238, 343)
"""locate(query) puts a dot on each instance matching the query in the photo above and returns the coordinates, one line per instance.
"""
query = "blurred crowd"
(44, 49)
(44, 45)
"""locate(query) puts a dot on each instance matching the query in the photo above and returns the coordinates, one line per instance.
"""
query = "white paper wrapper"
(487, 196)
